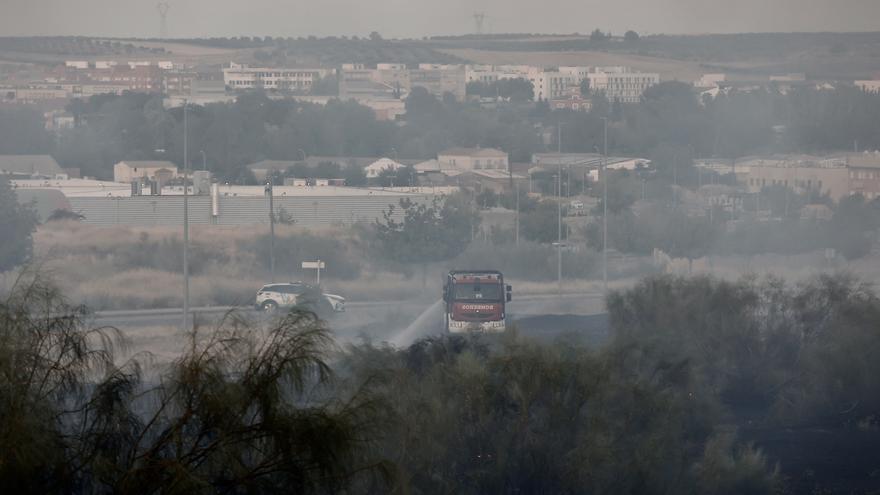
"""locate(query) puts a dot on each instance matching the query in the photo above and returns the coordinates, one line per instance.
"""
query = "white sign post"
(314, 265)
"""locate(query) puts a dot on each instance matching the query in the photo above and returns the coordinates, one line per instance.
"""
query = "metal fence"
(305, 210)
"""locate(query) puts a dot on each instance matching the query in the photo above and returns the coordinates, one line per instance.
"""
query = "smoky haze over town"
(440, 247)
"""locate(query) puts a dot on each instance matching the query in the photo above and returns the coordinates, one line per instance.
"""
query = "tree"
(354, 176)
(326, 86)
(427, 232)
(631, 36)
(542, 223)
(375, 36)
(597, 35)
(239, 411)
(585, 87)
(17, 223)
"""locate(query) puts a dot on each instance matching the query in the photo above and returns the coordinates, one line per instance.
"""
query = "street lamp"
(185, 217)
(269, 192)
(303, 153)
(558, 242)
(204, 160)
(605, 208)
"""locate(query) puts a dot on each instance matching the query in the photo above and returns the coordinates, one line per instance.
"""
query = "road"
(539, 316)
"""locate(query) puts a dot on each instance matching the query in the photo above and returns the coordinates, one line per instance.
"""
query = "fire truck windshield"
(483, 292)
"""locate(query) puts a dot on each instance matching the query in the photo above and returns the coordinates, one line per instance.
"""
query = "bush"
(291, 251)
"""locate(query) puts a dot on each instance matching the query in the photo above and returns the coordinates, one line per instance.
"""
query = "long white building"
(621, 83)
(242, 77)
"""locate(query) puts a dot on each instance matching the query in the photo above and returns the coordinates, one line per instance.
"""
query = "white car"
(288, 295)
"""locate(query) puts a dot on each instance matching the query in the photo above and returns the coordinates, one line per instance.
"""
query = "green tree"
(585, 87)
(631, 36)
(427, 232)
(541, 224)
(354, 176)
(17, 223)
(597, 35)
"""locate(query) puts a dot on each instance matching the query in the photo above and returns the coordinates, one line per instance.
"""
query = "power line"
(163, 8)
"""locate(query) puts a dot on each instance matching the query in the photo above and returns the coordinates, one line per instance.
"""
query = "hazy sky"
(416, 18)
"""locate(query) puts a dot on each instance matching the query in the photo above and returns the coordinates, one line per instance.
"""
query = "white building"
(374, 169)
(242, 77)
(549, 84)
(621, 83)
(473, 159)
(128, 171)
(870, 86)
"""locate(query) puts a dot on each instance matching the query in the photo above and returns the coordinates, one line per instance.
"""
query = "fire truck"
(475, 301)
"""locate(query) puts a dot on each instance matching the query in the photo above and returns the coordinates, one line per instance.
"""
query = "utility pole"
(559, 140)
(675, 179)
(185, 218)
(559, 230)
(271, 194)
(516, 234)
(605, 208)
(204, 160)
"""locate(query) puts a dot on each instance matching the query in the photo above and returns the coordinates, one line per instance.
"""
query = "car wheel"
(270, 306)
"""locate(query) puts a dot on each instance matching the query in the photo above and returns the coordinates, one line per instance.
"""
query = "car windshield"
(491, 292)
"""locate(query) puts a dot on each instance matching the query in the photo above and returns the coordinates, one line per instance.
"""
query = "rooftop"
(29, 165)
(473, 152)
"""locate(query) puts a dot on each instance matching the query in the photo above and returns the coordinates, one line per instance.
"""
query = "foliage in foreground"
(485, 416)
(791, 355)
(239, 410)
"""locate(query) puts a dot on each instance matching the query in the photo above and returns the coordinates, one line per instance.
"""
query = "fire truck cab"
(475, 301)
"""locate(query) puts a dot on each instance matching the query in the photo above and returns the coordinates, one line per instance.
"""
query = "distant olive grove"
(670, 125)
(704, 386)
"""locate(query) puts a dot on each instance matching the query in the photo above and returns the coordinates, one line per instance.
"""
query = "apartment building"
(802, 173)
(864, 173)
(621, 83)
(238, 77)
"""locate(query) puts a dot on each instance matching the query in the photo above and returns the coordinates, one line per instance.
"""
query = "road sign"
(314, 265)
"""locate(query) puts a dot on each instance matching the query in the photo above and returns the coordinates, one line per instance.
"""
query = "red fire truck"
(475, 301)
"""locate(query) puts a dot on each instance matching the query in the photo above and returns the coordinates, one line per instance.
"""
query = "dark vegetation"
(696, 391)
(72, 45)
(17, 224)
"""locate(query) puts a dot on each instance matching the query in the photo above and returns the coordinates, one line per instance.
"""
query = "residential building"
(473, 159)
(870, 86)
(30, 166)
(440, 81)
(864, 173)
(376, 168)
(238, 77)
(802, 173)
(139, 78)
(128, 171)
(621, 83)
(547, 84)
(178, 82)
(263, 168)
(574, 102)
(710, 80)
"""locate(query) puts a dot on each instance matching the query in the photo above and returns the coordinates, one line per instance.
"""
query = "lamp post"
(605, 208)
(204, 160)
(185, 218)
(303, 153)
(270, 193)
(559, 231)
